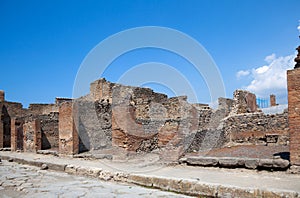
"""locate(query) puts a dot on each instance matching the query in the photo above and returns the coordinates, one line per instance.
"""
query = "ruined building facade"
(138, 120)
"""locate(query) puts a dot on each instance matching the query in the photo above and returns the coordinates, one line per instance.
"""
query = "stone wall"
(49, 129)
(93, 123)
(40, 109)
(243, 102)
(253, 128)
(32, 136)
(8, 110)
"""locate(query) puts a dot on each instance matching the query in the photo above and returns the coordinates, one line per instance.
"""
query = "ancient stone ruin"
(115, 119)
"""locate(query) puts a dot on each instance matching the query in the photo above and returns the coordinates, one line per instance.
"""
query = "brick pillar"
(68, 136)
(293, 84)
(273, 100)
(2, 96)
(16, 134)
(1, 133)
(1, 127)
(37, 135)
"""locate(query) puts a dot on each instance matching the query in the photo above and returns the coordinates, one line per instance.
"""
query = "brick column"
(1, 133)
(16, 134)
(68, 136)
(272, 100)
(37, 134)
(293, 83)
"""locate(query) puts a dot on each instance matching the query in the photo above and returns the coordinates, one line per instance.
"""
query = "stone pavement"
(198, 181)
(28, 181)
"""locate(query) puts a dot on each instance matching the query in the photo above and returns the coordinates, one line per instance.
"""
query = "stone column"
(68, 136)
(293, 84)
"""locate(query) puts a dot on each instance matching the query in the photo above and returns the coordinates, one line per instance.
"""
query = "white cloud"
(242, 73)
(299, 27)
(270, 58)
(271, 78)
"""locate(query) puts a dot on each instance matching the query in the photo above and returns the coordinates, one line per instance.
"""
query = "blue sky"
(43, 43)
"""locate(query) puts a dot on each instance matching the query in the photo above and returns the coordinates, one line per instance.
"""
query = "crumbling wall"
(252, 128)
(49, 130)
(93, 123)
(8, 110)
(40, 109)
(243, 102)
(32, 135)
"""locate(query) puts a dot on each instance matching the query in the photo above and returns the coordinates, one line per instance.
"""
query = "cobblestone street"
(27, 181)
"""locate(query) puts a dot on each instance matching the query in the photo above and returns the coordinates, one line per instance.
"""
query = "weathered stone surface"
(202, 161)
(57, 167)
(251, 163)
(106, 175)
(281, 163)
(231, 162)
(294, 169)
(71, 169)
(254, 128)
(266, 163)
(44, 167)
(243, 102)
(88, 171)
(120, 177)
(141, 180)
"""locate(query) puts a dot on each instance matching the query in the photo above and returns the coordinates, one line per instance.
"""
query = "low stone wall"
(253, 128)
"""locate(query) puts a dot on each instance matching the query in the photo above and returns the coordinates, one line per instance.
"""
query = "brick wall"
(68, 137)
(273, 100)
(17, 134)
(293, 83)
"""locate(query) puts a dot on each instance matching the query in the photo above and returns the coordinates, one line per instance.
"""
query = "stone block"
(202, 161)
(231, 162)
(106, 175)
(141, 180)
(71, 169)
(251, 163)
(265, 163)
(281, 163)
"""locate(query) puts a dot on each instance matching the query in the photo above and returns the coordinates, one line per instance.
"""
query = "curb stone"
(182, 186)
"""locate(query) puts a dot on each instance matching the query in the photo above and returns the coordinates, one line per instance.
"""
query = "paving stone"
(251, 163)
(105, 175)
(265, 163)
(281, 163)
(202, 161)
(231, 162)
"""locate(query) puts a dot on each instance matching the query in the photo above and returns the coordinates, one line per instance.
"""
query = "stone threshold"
(181, 186)
(235, 162)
